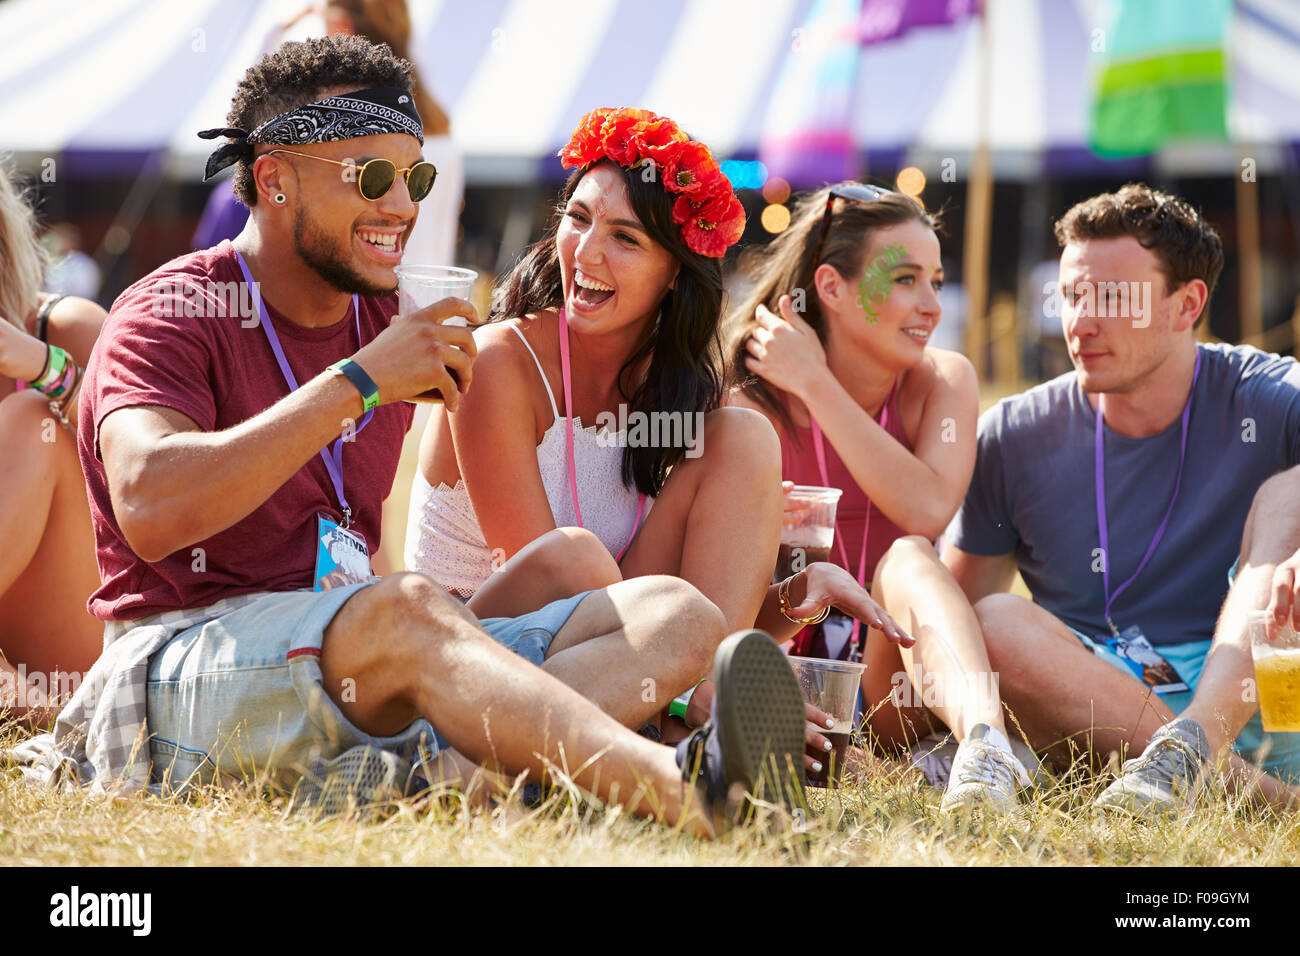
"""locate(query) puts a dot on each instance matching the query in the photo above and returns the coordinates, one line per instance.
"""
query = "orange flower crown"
(711, 217)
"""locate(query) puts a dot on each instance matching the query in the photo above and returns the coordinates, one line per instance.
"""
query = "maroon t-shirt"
(219, 373)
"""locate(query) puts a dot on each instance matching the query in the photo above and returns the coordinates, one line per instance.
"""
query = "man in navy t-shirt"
(1125, 529)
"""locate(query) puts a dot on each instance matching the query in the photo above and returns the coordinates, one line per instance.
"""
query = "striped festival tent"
(124, 78)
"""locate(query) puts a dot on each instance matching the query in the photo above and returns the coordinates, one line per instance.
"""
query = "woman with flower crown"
(611, 318)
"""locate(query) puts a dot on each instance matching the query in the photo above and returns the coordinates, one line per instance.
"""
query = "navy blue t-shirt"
(1033, 493)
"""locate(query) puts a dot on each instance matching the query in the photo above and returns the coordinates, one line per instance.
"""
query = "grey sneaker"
(933, 756)
(753, 742)
(1168, 774)
(983, 775)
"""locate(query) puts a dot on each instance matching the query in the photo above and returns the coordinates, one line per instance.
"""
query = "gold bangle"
(783, 593)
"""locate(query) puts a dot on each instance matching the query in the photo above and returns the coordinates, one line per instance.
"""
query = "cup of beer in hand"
(807, 529)
(1277, 672)
(419, 287)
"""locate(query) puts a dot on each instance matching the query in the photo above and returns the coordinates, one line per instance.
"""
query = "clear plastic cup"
(1277, 673)
(421, 286)
(831, 686)
(807, 529)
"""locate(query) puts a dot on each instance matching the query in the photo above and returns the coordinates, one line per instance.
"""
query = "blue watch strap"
(364, 383)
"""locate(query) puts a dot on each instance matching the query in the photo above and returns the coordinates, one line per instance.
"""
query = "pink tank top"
(799, 464)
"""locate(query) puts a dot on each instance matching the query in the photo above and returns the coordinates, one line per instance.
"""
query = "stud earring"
(281, 199)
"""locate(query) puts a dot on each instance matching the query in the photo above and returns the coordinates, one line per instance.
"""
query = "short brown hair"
(296, 74)
(1186, 246)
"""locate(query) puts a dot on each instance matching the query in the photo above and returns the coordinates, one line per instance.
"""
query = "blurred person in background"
(71, 271)
(834, 339)
(47, 564)
(433, 240)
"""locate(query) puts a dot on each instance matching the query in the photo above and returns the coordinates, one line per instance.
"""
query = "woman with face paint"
(831, 345)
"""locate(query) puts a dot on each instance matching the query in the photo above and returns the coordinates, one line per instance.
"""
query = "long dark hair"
(786, 264)
(684, 349)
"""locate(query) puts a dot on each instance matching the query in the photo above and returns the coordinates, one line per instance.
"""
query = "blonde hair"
(22, 258)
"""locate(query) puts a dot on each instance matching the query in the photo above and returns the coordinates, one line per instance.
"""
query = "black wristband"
(363, 382)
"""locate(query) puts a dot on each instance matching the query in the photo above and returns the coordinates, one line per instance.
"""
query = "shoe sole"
(760, 718)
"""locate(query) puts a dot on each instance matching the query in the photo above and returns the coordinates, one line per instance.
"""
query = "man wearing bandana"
(237, 460)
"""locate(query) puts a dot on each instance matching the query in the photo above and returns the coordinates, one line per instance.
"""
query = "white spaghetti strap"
(555, 409)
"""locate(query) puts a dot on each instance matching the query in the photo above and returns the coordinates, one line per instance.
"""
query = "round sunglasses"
(376, 176)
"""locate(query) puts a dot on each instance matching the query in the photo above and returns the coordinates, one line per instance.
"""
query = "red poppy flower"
(621, 133)
(692, 171)
(709, 228)
(659, 139)
(586, 145)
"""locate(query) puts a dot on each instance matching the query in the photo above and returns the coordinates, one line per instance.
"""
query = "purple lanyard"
(1099, 460)
(333, 456)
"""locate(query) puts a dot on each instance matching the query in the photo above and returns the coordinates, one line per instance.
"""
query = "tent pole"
(979, 203)
(1249, 270)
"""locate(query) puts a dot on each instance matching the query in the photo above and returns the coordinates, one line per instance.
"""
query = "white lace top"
(443, 538)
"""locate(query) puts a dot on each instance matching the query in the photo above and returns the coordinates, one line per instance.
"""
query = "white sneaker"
(984, 774)
(933, 756)
(1167, 776)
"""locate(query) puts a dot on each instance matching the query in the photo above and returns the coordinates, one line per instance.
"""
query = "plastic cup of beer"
(1277, 673)
(419, 287)
(831, 686)
(807, 529)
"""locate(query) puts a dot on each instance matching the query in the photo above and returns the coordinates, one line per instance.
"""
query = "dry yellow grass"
(888, 818)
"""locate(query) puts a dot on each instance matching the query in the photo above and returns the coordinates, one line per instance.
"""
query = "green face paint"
(874, 289)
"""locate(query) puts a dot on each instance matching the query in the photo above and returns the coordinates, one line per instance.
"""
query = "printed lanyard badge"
(1132, 647)
(342, 557)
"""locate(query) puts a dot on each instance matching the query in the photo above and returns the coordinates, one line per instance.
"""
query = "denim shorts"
(239, 698)
(1279, 754)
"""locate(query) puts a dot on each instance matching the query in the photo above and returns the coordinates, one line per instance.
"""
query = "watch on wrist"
(363, 382)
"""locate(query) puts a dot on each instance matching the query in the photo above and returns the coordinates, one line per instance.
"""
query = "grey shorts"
(239, 698)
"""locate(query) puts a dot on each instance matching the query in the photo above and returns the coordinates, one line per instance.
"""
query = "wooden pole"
(1249, 269)
(979, 215)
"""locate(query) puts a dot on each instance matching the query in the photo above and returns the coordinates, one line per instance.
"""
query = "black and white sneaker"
(753, 742)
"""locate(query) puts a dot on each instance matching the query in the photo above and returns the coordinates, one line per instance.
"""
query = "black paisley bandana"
(373, 112)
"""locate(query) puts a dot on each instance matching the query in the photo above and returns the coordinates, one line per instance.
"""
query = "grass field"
(889, 817)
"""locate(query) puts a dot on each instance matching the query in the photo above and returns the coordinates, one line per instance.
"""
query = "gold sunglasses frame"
(361, 172)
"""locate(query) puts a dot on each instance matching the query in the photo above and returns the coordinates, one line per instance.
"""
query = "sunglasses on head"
(858, 191)
(376, 176)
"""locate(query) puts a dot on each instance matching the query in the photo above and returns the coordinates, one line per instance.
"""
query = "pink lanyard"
(568, 438)
(819, 446)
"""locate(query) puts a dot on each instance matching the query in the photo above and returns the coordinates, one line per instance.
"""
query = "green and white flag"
(1163, 77)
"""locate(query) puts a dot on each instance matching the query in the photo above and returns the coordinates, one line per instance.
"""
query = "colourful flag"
(806, 135)
(1164, 75)
(886, 19)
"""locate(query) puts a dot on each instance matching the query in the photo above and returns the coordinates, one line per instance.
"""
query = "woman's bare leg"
(717, 522)
(946, 673)
(47, 564)
(558, 565)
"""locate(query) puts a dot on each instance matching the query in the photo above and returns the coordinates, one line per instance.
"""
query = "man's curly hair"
(296, 74)
(1186, 246)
